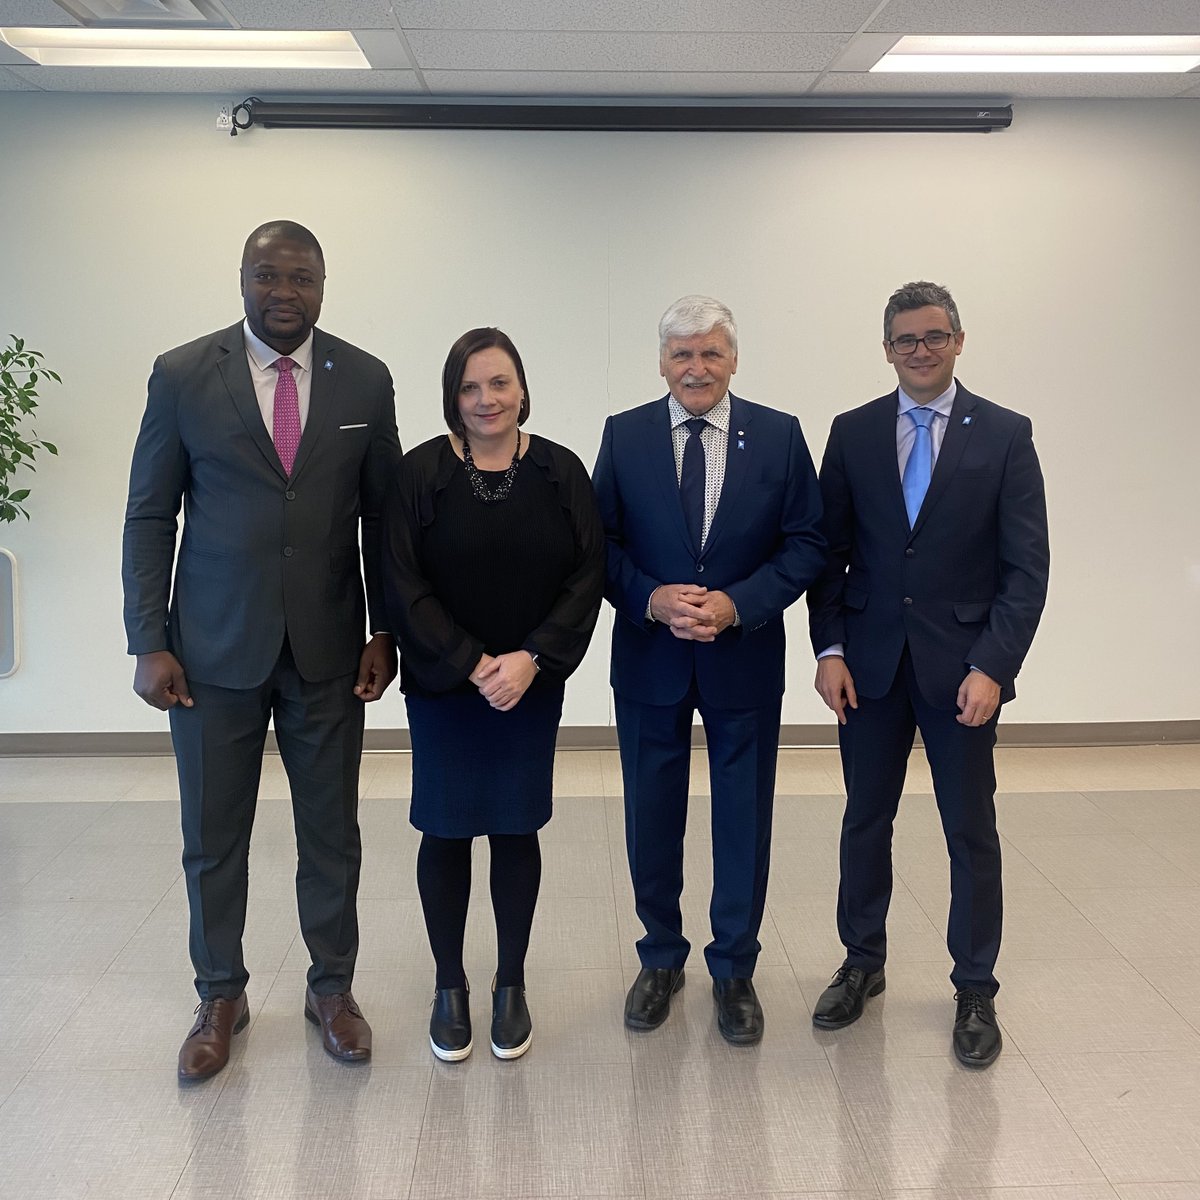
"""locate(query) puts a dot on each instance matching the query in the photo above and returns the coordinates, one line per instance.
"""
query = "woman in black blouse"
(493, 571)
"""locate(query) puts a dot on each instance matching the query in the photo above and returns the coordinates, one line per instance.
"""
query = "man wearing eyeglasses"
(935, 515)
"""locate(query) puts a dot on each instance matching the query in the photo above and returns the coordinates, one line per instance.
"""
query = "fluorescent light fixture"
(1070, 54)
(250, 48)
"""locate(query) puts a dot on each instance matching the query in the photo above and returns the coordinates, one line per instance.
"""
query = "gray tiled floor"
(1097, 1095)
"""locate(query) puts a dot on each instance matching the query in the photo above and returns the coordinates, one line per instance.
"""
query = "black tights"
(444, 881)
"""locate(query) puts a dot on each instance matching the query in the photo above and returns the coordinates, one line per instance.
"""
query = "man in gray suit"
(279, 442)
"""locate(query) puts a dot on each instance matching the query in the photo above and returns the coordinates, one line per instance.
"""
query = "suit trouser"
(656, 746)
(875, 744)
(218, 750)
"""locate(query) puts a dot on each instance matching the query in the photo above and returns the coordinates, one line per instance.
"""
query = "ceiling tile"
(383, 48)
(9, 82)
(450, 50)
(762, 16)
(1036, 16)
(310, 14)
(1001, 88)
(34, 12)
(216, 82)
(647, 84)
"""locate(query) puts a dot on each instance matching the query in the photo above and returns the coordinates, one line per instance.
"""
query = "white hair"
(690, 315)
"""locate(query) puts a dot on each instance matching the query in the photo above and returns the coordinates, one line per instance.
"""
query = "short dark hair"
(288, 231)
(471, 342)
(920, 294)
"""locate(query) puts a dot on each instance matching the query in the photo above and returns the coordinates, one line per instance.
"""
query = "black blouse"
(462, 577)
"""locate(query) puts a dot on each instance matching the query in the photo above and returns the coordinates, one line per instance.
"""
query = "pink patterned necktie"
(285, 422)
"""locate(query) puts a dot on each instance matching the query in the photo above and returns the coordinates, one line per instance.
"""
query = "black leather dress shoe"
(739, 1014)
(450, 1024)
(512, 1027)
(841, 1003)
(649, 999)
(977, 1040)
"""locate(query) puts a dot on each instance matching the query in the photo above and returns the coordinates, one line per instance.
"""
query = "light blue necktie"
(919, 468)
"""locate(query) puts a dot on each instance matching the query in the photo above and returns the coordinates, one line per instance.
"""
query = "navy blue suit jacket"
(763, 549)
(966, 585)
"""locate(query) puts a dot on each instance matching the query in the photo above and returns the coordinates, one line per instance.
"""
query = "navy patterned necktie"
(691, 482)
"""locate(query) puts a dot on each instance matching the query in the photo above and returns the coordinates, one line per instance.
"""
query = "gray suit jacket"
(261, 554)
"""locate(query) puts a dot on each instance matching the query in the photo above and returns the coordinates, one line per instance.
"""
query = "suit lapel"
(236, 374)
(322, 390)
(737, 462)
(958, 433)
(661, 449)
(881, 447)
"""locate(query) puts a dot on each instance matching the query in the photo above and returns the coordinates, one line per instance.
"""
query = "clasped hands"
(504, 679)
(693, 613)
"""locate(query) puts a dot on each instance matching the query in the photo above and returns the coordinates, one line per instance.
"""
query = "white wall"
(1071, 241)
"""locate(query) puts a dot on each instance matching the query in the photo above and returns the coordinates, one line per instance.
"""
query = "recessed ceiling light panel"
(1068, 54)
(249, 48)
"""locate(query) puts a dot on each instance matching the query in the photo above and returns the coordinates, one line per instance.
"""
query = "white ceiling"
(776, 49)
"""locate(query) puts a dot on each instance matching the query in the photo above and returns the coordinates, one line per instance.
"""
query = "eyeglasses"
(936, 339)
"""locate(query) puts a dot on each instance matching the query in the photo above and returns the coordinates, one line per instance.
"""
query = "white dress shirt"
(262, 359)
(714, 437)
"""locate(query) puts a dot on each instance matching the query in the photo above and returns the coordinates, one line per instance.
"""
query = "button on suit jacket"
(763, 549)
(260, 554)
(966, 585)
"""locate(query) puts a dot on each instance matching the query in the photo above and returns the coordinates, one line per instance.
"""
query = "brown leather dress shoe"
(344, 1030)
(205, 1050)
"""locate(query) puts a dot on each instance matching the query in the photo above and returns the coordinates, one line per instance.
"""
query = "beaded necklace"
(479, 485)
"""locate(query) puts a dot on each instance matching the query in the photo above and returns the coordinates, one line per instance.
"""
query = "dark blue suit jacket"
(763, 549)
(966, 585)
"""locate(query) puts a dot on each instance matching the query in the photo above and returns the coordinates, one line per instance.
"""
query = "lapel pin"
(741, 444)
(329, 366)
(965, 420)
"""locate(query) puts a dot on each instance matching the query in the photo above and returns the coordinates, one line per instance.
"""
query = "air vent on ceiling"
(163, 14)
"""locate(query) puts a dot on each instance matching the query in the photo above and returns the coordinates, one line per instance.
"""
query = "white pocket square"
(362, 426)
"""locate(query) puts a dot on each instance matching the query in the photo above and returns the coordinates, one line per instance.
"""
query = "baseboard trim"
(604, 737)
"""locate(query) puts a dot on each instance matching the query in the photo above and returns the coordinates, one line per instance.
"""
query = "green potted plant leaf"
(21, 373)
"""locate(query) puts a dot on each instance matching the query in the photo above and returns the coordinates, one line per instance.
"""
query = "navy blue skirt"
(479, 771)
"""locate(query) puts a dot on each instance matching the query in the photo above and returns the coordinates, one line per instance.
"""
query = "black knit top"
(462, 577)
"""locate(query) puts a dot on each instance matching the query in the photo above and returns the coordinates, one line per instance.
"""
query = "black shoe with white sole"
(450, 1024)
(512, 1028)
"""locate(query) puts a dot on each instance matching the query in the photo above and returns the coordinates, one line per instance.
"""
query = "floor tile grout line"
(412, 1176)
(1070, 1124)
(633, 1091)
(102, 805)
(849, 1109)
(223, 1080)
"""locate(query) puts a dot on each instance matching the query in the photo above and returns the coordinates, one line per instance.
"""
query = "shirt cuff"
(837, 648)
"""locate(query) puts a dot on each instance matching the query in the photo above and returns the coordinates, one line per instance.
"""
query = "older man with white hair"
(711, 508)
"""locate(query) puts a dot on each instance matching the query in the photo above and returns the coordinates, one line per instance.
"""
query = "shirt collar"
(942, 405)
(718, 415)
(265, 356)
